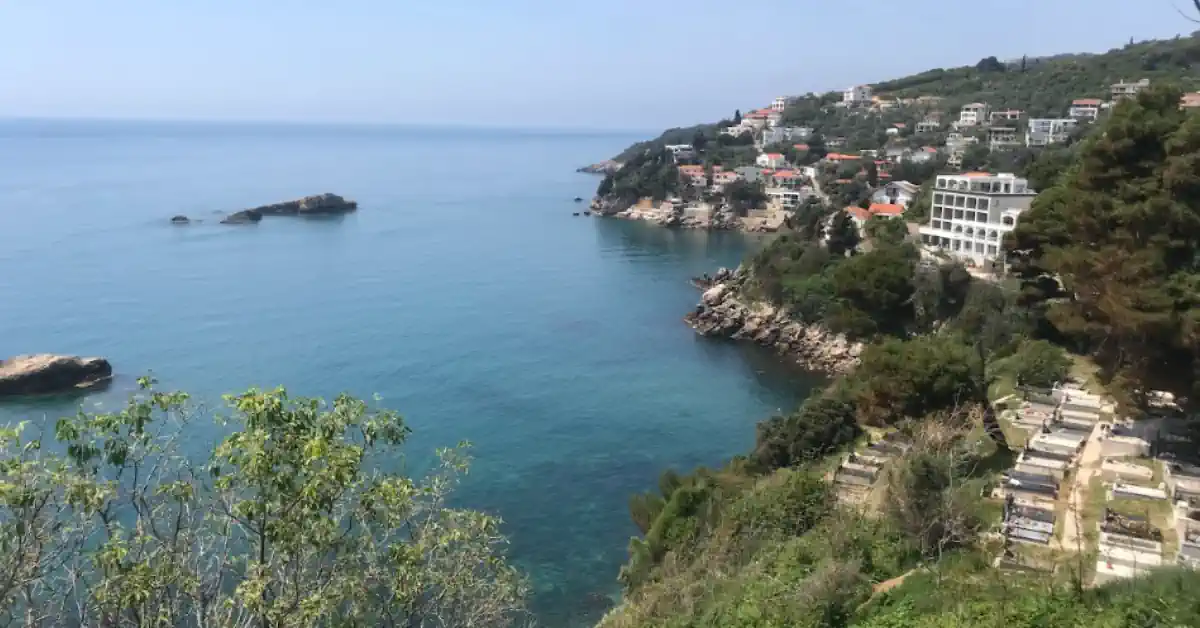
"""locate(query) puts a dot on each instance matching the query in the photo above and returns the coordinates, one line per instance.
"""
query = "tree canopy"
(290, 522)
(1110, 252)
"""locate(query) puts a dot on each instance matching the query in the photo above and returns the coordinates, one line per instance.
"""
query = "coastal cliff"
(725, 311)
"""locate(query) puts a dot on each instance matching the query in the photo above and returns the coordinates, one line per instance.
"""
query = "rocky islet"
(47, 373)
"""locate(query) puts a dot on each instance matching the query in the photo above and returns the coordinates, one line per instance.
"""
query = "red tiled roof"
(886, 209)
(800, 146)
(785, 174)
(858, 212)
(1087, 101)
(774, 155)
(841, 157)
(842, 181)
(900, 125)
(977, 174)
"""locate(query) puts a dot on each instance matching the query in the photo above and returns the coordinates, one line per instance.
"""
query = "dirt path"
(1073, 538)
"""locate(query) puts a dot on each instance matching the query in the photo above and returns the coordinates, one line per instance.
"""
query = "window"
(971, 202)
(960, 201)
(958, 214)
(980, 216)
(1007, 221)
(983, 203)
(992, 250)
(937, 199)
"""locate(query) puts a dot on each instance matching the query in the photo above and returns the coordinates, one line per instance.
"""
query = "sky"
(596, 64)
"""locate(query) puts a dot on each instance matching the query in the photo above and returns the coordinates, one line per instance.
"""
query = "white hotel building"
(971, 213)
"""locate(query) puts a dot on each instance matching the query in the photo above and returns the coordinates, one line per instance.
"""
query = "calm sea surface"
(462, 292)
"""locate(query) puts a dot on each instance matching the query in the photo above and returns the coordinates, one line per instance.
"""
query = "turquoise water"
(462, 292)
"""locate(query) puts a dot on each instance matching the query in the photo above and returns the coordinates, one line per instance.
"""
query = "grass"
(1085, 369)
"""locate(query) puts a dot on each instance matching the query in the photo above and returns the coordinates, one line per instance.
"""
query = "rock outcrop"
(45, 373)
(244, 217)
(180, 220)
(603, 167)
(309, 206)
(723, 312)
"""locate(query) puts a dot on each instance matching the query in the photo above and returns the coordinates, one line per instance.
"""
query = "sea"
(463, 293)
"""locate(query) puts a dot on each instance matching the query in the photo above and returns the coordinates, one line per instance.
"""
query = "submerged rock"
(179, 220)
(244, 217)
(47, 373)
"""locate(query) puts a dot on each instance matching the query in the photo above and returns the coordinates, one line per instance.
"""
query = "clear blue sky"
(634, 64)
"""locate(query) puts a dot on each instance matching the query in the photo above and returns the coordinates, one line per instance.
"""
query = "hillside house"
(786, 179)
(1190, 100)
(856, 96)
(771, 160)
(681, 151)
(1123, 89)
(973, 114)
(1002, 137)
(897, 193)
(928, 126)
(1005, 116)
(1085, 108)
(1046, 131)
(860, 216)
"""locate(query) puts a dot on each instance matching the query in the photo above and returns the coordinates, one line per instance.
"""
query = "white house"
(923, 155)
(681, 151)
(857, 95)
(973, 114)
(1005, 115)
(1122, 89)
(771, 160)
(1046, 131)
(928, 126)
(971, 213)
(780, 103)
(1001, 137)
(1085, 108)
(897, 193)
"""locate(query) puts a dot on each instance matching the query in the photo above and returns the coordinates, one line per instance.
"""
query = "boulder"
(244, 217)
(46, 373)
(179, 220)
(714, 295)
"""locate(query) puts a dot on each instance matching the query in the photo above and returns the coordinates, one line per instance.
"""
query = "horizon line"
(325, 123)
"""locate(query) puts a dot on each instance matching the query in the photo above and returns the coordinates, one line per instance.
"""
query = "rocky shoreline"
(715, 218)
(724, 312)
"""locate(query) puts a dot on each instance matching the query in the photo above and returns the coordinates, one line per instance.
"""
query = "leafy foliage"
(1110, 252)
(283, 526)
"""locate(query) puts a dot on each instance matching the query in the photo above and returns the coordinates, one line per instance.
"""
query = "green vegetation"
(1108, 267)
(1044, 88)
(650, 173)
(288, 523)
(1108, 257)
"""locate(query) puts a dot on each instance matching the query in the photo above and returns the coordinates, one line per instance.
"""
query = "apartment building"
(1002, 137)
(857, 95)
(1086, 108)
(780, 103)
(1046, 131)
(1006, 115)
(971, 212)
(1123, 89)
(973, 114)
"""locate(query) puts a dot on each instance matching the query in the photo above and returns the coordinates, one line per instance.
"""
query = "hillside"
(1041, 86)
